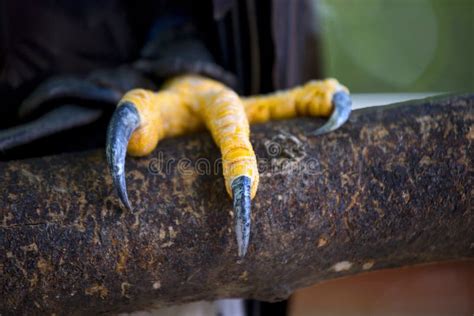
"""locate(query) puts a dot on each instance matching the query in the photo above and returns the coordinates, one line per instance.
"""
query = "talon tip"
(122, 124)
(122, 191)
(241, 200)
(342, 105)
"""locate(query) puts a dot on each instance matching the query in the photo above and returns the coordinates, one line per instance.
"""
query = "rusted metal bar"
(393, 187)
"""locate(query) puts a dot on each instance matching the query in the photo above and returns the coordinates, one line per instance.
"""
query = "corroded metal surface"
(393, 187)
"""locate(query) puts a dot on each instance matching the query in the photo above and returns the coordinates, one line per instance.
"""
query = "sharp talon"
(122, 124)
(241, 193)
(67, 87)
(342, 105)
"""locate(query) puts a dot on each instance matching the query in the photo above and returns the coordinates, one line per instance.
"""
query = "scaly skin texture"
(189, 103)
(391, 188)
(312, 99)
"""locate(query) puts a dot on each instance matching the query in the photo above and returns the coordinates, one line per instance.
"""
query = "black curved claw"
(67, 87)
(122, 124)
(241, 193)
(342, 105)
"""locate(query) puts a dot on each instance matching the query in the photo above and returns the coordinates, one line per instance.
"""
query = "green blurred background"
(398, 45)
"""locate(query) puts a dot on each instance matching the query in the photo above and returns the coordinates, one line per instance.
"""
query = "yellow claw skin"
(225, 118)
(189, 103)
(312, 99)
(146, 137)
(222, 112)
